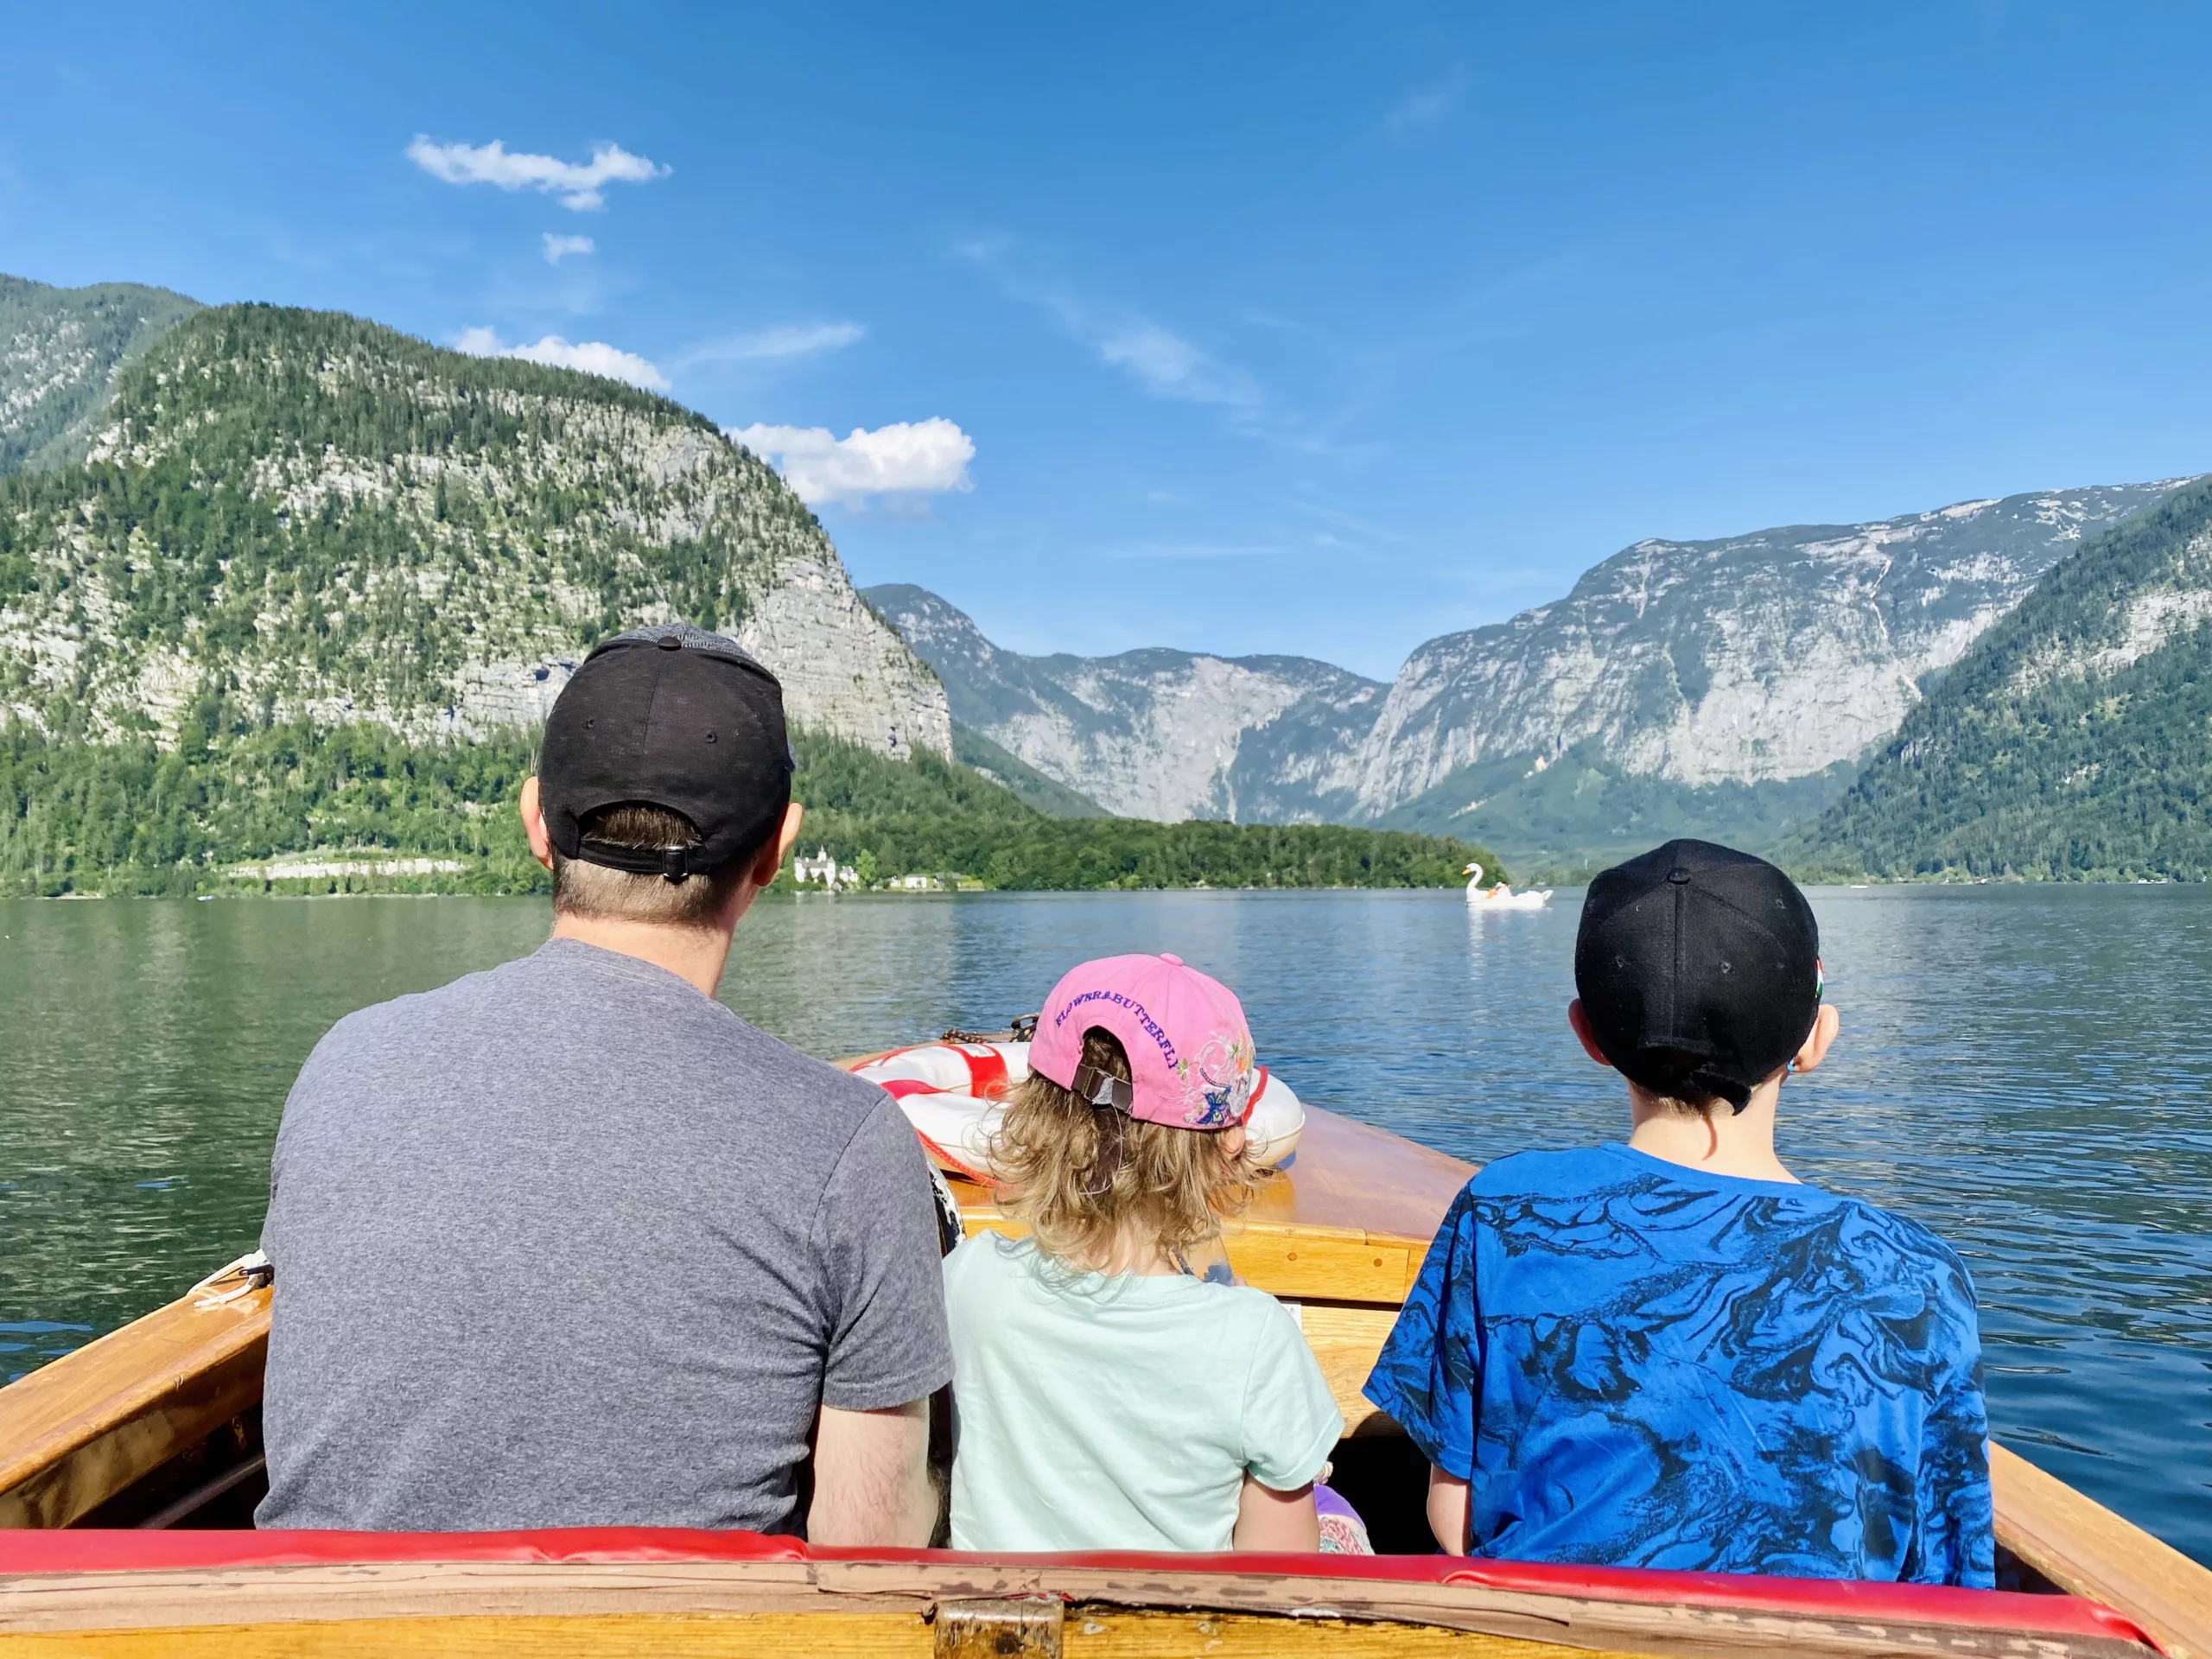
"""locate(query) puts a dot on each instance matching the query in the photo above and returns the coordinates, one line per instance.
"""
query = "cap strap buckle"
(671, 864)
(1104, 1089)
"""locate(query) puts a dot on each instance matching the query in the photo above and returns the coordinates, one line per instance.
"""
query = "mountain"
(1751, 660)
(318, 519)
(292, 621)
(61, 350)
(1054, 799)
(1160, 734)
(1726, 688)
(2074, 741)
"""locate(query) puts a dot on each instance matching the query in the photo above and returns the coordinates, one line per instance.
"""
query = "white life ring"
(954, 1094)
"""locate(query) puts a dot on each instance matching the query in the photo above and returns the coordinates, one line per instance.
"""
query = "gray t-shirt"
(567, 1244)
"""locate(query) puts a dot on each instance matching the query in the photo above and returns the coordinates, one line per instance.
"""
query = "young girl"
(1107, 1398)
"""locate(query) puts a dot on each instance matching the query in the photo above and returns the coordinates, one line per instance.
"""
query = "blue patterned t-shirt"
(1634, 1363)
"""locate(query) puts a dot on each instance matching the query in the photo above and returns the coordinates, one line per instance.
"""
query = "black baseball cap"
(1698, 969)
(671, 716)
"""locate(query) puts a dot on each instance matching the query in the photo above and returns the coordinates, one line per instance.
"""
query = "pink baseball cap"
(1191, 1059)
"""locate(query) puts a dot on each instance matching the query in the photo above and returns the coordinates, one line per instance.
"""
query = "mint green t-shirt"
(1120, 1413)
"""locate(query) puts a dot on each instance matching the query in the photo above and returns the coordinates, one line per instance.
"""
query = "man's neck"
(1719, 1142)
(695, 955)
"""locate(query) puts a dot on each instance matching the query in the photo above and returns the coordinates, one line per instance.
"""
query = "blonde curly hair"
(1171, 1187)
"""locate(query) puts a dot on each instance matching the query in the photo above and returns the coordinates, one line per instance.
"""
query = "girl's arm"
(1266, 1519)
(1447, 1511)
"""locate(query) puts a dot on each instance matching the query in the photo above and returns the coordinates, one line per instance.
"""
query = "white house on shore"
(823, 867)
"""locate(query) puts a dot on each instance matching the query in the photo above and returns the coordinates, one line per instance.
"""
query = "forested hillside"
(930, 816)
(2073, 742)
(209, 814)
(60, 349)
(324, 520)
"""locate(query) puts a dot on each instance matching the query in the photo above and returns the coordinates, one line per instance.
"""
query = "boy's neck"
(1719, 1142)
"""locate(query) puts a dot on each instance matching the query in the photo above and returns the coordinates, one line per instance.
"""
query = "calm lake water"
(2027, 1071)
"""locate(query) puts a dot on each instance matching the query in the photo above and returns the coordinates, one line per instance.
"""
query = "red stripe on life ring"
(1252, 1100)
(900, 1088)
(986, 1072)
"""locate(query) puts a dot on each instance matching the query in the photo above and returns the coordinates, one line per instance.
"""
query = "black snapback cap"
(671, 716)
(1699, 968)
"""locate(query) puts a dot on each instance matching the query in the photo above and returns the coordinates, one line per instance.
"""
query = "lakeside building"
(824, 869)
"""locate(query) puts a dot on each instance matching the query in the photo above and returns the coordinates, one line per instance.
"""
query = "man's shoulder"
(581, 1007)
(770, 1063)
(401, 1021)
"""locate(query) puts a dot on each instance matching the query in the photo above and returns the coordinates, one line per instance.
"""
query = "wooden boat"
(129, 1470)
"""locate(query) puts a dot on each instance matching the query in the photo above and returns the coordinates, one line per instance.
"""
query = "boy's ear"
(1826, 1024)
(1580, 1023)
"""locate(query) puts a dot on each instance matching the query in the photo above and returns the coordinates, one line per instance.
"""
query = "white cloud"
(1168, 365)
(786, 340)
(558, 248)
(576, 184)
(1162, 362)
(1426, 105)
(905, 458)
(592, 356)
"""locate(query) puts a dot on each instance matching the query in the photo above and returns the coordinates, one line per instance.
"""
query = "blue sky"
(1246, 327)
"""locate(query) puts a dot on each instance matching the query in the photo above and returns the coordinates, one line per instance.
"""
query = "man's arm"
(871, 1478)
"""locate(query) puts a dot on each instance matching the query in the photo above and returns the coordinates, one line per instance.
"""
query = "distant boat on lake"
(1500, 896)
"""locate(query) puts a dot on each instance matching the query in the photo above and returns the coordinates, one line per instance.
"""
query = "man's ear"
(1826, 1024)
(778, 846)
(1581, 1022)
(533, 823)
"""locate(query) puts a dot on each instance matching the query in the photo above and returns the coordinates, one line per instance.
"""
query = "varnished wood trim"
(2083, 1547)
(165, 1605)
(77, 1431)
(618, 1636)
(780, 1635)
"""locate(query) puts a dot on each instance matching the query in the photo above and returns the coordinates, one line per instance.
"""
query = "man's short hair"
(586, 889)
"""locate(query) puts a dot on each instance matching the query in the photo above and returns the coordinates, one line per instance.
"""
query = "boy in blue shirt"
(1671, 1353)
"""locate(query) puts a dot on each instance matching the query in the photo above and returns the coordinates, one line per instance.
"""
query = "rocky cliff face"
(321, 518)
(1160, 734)
(1755, 659)
(61, 351)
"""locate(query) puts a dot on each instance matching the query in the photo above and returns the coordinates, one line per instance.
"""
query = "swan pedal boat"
(1501, 897)
(129, 1470)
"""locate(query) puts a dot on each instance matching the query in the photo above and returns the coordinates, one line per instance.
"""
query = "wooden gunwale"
(1549, 1610)
(1339, 1236)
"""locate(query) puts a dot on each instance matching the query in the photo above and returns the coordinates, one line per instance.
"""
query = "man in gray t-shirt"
(567, 1243)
